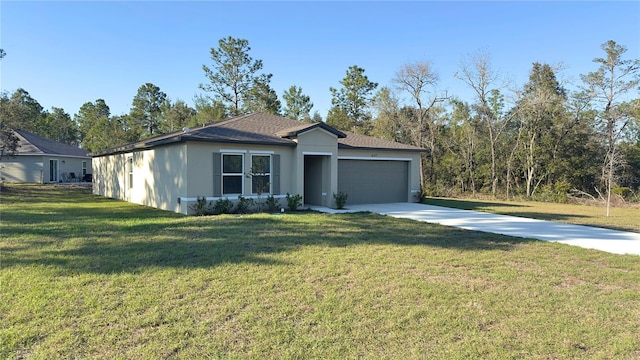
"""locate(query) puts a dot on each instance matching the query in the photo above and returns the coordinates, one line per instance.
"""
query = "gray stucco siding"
(22, 168)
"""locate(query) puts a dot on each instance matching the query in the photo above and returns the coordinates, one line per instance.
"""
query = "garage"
(373, 181)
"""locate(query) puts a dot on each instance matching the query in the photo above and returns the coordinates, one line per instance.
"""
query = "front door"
(314, 179)
(53, 170)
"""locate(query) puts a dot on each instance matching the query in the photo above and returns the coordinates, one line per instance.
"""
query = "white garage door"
(373, 181)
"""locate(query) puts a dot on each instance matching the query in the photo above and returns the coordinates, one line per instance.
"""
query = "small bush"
(243, 204)
(341, 199)
(201, 207)
(223, 206)
(272, 203)
(622, 191)
(294, 201)
(557, 192)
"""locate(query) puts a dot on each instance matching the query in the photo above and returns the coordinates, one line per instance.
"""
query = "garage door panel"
(373, 181)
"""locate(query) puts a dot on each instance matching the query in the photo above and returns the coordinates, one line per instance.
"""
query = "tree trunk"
(494, 179)
(422, 161)
(610, 181)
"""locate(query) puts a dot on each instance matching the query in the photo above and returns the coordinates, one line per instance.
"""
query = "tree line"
(237, 86)
(538, 141)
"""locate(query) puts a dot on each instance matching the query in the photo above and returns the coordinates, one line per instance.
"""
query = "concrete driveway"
(617, 242)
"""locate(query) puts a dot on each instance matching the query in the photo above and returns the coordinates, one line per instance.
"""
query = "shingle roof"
(32, 144)
(357, 141)
(259, 128)
(273, 125)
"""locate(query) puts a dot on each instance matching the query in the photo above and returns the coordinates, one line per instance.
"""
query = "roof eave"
(178, 139)
(119, 150)
(350, 147)
(49, 154)
(269, 143)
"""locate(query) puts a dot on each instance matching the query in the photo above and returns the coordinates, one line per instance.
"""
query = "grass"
(621, 218)
(87, 277)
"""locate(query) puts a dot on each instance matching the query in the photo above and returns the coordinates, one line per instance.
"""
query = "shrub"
(243, 204)
(223, 206)
(622, 191)
(556, 192)
(341, 199)
(272, 203)
(294, 201)
(201, 207)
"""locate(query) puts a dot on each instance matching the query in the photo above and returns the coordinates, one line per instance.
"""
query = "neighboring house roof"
(32, 144)
(259, 129)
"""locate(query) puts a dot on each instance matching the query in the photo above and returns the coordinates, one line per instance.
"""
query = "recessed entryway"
(315, 183)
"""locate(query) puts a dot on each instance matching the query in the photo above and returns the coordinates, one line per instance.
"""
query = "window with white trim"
(84, 169)
(260, 174)
(232, 174)
(130, 171)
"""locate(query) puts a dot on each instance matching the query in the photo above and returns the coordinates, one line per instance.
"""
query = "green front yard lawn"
(87, 277)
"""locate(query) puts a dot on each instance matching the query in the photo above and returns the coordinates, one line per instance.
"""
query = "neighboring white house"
(41, 160)
(235, 156)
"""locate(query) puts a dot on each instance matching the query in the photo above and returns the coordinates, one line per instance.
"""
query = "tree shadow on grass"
(546, 216)
(466, 204)
(208, 242)
(117, 237)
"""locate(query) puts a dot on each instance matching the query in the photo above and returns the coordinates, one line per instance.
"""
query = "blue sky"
(67, 53)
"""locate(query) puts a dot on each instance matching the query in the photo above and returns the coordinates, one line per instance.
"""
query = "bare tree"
(476, 71)
(608, 85)
(464, 142)
(419, 80)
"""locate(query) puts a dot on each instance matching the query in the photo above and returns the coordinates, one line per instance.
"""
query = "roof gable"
(305, 127)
